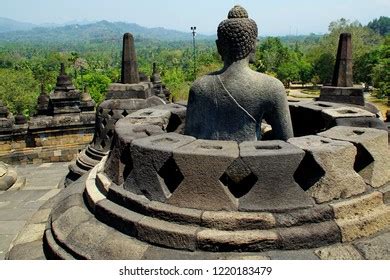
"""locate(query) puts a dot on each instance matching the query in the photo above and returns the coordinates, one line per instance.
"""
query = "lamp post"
(193, 29)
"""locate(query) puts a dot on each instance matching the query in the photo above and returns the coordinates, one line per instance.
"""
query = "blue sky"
(274, 17)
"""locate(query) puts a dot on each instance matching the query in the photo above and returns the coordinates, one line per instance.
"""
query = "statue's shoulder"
(203, 83)
(269, 83)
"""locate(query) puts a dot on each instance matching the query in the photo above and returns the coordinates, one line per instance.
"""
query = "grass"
(380, 103)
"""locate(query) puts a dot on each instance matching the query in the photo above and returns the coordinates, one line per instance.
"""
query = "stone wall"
(45, 144)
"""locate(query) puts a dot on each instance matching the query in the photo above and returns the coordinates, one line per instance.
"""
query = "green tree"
(96, 84)
(18, 90)
(381, 25)
(381, 71)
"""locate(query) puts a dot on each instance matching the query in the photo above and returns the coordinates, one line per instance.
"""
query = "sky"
(273, 17)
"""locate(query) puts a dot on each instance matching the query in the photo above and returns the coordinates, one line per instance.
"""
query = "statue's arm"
(279, 117)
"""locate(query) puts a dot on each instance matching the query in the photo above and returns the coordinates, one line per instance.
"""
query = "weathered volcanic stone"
(177, 118)
(202, 163)
(274, 164)
(150, 116)
(372, 160)
(362, 216)
(377, 248)
(119, 163)
(342, 89)
(248, 240)
(154, 169)
(345, 112)
(298, 217)
(129, 74)
(229, 220)
(309, 235)
(342, 76)
(339, 252)
(8, 176)
(167, 234)
(309, 113)
(335, 177)
(362, 122)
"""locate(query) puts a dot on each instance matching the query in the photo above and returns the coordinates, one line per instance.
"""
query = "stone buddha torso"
(232, 103)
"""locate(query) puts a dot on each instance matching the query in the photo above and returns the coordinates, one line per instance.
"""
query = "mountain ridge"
(101, 30)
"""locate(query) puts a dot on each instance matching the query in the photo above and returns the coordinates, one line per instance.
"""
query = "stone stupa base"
(163, 195)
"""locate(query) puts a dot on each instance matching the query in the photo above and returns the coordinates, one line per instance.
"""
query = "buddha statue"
(231, 104)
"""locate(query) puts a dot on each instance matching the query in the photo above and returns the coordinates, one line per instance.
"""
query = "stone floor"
(35, 185)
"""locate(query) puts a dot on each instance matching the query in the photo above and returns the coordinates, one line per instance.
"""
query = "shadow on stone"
(308, 172)
(171, 175)
(363, 158)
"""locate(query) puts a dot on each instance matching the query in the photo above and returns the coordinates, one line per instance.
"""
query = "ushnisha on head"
(237, 35)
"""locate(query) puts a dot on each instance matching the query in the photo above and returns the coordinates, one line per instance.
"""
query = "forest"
(93, 64)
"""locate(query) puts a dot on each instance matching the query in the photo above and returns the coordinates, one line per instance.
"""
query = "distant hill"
(9, 25)
(102, 31)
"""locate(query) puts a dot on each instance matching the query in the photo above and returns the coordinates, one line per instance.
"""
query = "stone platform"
(36, 184)
(163, 195)
(89, 238)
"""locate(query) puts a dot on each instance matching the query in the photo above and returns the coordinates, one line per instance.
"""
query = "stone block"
(309, 114)
(227, 220)
(326, 172)
(68, 221)
(358, 206)
(86, 239)
(377, 248)
(351, 95)
(346, 112)
(248, 240)
(292, 255)
(68, 202)
(202, 163)
(52, 250)
(134, 202)
(127, 91)
(371, 122)
(274, 164)
(338, 252)
(92, 194)
(167, 234)
(119, 163)
(169, 212)
(155, 173)
(178, 116)
(150, 116)
(117, 216)
(386, 194)
(27, 251)
(309, 235)
(317, 214)
(30, 233)
(372, 160)
(118, 246)
(362, 226)
(41, 216)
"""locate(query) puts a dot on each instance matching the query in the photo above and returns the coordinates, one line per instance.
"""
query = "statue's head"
(237, 35)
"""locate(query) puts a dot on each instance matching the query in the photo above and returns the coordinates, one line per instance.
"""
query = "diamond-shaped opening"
(308, 172)
(111, 113)
(174, 122)
(104, 122)
(124, 113)
(238, 178)
(171, 174)
(101, 111)
(362, 159)
(110, 133)
(103, 144)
